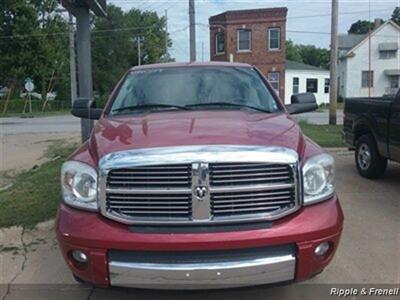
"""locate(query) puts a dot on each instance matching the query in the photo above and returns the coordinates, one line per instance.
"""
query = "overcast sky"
(308, 21)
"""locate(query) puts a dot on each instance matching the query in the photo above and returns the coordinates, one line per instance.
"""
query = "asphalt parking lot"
(368, 254)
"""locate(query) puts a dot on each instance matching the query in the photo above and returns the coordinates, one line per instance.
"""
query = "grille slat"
(253, 200)
(146, 207)
(247, 210)
(252, 195)
(266, 179)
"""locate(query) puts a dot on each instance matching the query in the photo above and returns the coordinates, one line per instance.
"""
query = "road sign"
(29, 86)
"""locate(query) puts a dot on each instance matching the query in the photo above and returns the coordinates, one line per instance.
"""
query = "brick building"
(255, 36)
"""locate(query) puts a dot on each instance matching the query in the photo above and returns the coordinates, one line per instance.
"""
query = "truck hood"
(118, 133)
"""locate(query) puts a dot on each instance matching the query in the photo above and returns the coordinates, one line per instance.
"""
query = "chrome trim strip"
(223, 274)
(251, 188)
(196, 155)
(148, 191)
(192, 154)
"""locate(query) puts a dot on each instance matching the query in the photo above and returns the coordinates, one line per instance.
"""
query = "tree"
(308, 54)
(292, 52)
(361, 27)
(314, 56)
(114, 45)
(33, 43)
(396, 15)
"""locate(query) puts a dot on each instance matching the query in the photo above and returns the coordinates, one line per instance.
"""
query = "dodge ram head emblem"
(200, 192)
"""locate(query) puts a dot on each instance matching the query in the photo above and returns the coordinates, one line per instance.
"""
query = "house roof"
(294, 65)
(365, 37)
(348, 41)
(259, 13)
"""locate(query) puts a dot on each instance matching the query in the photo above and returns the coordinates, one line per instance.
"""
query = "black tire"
(78, 279)
(370, 164)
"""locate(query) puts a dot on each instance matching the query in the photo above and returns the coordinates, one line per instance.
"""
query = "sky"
(308, 21)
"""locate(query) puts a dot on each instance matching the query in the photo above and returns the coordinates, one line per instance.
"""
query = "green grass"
(35, 194)
(35, 114)
(325, 107)
(325, 135)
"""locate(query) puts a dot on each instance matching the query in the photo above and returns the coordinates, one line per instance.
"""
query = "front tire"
(370, 164)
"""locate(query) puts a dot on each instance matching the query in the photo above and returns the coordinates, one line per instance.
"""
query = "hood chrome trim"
(192, 154)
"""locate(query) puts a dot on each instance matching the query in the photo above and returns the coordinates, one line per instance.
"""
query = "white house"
(360, 76)
(302, 78)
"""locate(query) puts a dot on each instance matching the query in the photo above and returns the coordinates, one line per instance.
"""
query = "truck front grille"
(235, 192)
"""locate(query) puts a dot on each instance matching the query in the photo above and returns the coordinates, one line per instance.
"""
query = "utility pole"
(72, 59)
(84, 64)
(333, 65)
(166, 35)
(139, 44)
(202, 51)
(192, 25)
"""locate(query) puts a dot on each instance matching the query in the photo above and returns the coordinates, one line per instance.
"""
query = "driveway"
(369, 252)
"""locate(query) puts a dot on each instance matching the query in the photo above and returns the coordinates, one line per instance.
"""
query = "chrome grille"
(150, 205)
(163, 177)
(235, 191)
(224, 174)
(271, 189)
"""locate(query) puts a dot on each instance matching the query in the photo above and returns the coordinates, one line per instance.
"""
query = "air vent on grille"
(163, 177)
(222, 174)
(148, 205)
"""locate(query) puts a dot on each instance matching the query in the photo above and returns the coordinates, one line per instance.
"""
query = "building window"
(367, 79)
(273, 79)
(327, 85)
(394, 82)
(274, 39)
(312, 85)
(243, 40)
(296, 85)
(219, 43)
(387, 54)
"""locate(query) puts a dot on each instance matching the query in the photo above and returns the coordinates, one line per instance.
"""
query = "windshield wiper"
(228, 104)
(149, 106)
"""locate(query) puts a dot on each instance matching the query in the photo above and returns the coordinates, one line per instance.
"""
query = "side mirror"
(86, 109)
(301, 103)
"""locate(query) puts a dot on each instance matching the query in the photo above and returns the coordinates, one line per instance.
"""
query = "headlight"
(79, 185)
(319, 178)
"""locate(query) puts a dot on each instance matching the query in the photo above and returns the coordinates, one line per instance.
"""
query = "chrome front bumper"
(203, 273)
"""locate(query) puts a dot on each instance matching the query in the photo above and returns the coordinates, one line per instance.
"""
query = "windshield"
(194, 88)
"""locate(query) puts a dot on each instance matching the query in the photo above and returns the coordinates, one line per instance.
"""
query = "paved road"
(369, 252)
(319, 118)
(69, 123)
(16, 125)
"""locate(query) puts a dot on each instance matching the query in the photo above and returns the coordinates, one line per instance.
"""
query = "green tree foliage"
(396, 15)
(307, 54)
(361, 27)
(33, 44)
(293, 52)
(314, 56)
(114, 45)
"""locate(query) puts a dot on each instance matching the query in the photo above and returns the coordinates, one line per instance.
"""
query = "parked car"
(196, 176)
(372, 129)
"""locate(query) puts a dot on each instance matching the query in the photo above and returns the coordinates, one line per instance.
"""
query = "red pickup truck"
(196, 176)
